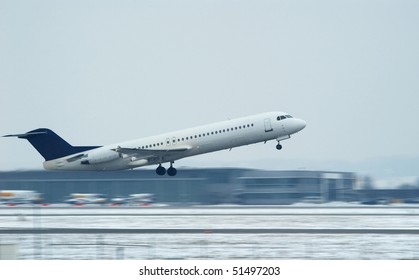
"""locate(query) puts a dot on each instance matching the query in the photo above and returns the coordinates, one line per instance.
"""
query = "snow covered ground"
(208, 245)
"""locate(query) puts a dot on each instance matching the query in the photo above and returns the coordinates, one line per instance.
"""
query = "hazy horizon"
(100, 72)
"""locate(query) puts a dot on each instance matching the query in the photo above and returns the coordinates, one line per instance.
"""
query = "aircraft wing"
(148, 153)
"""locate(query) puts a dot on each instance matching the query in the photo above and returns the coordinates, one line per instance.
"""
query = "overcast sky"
(99, 72)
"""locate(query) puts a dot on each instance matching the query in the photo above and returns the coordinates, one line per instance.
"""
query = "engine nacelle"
(98, 157)
(137, 162)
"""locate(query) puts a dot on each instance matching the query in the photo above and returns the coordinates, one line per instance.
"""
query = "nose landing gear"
(279, 139)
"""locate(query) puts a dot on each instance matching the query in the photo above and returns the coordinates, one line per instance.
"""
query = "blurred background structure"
(209, 186)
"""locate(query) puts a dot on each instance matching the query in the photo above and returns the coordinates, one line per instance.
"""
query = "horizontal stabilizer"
(26, 135)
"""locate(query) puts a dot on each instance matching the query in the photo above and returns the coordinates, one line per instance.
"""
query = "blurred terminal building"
(192, 186)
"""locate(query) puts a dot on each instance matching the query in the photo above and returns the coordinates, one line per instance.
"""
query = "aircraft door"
(174, 141)
(268, 125)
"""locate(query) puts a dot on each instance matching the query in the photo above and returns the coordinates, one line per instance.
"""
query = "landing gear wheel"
(279, 147)
(160, 170)
(171, 171)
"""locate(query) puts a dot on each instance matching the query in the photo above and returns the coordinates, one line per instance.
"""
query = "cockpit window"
(279, 118)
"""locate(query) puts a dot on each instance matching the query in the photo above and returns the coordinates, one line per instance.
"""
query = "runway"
(208, 231)
(211, 232)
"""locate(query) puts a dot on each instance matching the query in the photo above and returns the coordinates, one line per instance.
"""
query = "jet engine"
(102, 156)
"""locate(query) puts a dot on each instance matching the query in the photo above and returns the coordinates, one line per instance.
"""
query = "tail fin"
(49, 144)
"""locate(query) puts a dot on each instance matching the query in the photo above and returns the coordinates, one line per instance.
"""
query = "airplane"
(13, 197)
(136, 198)
(163, 148)
(86, 198)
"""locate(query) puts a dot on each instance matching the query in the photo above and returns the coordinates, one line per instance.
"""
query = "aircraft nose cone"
(298, 125)
(302, 124)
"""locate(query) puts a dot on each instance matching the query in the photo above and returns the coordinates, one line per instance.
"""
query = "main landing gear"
(160, 170)
(171, 171)
(279, 146)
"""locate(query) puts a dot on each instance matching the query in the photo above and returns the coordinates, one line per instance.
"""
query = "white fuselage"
(170, 147)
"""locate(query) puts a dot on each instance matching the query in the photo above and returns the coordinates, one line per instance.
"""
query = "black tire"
(171, 171)
(160, 170)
